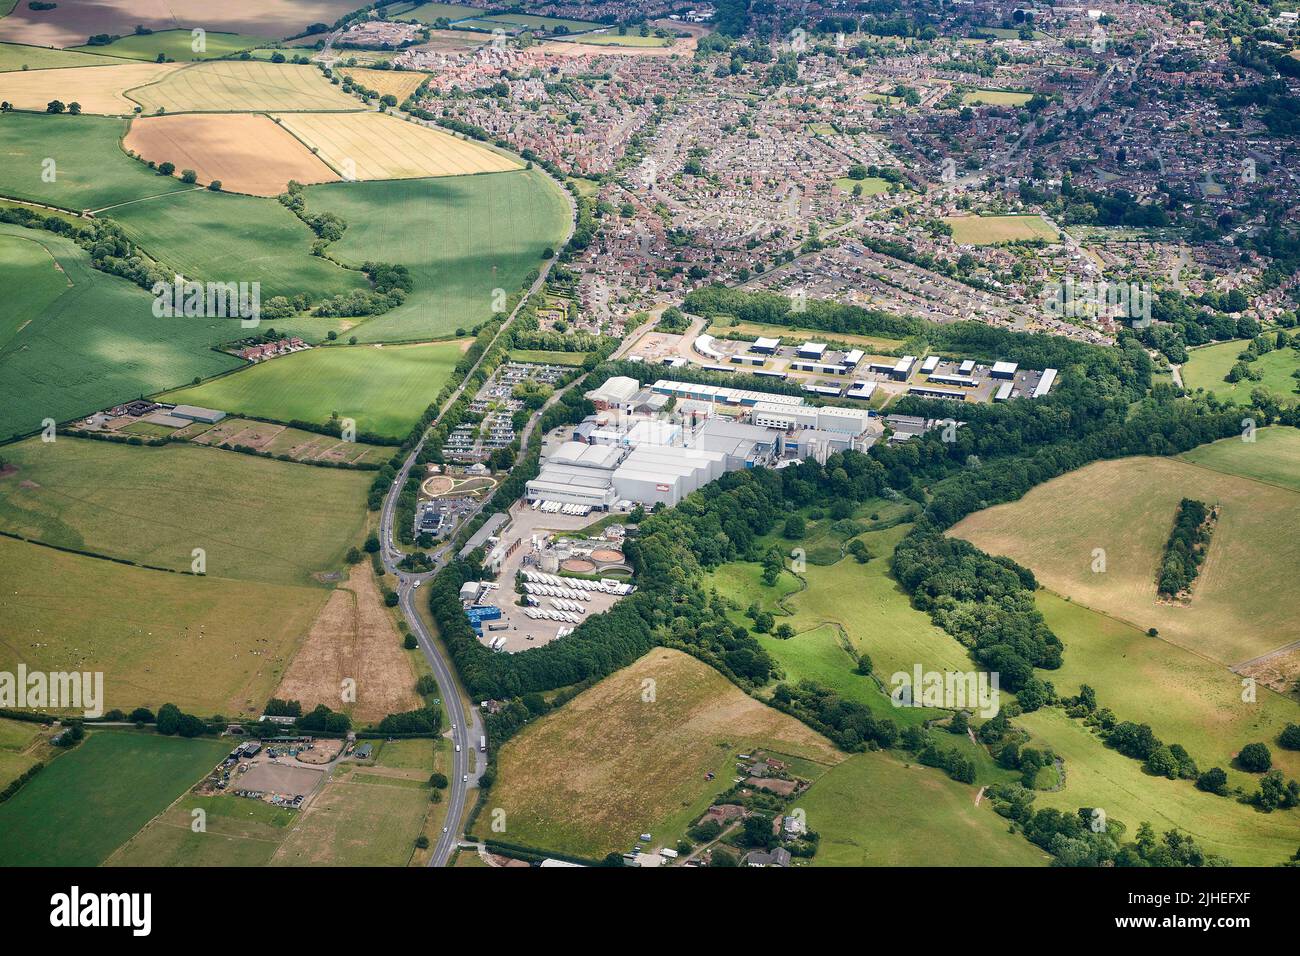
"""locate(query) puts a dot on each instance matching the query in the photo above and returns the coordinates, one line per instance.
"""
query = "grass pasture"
(18, 56)
(90, 172)
(98, 89)
(86, 803)
(1185, 698)
(1207, 366)
(34, 282)
(357, 820)
(547, 357)
(1240, 606)
(873, 810)
(234, 86)
(990, 230)
(96, 344)
(461, 236)
(229, 238)
(247, 153)
(1273, 457)
(209, 645)
(429, 12)
(256, 519)
(1096, 776)
(384, 389)
(240, 832)
(372, 145)
(177, 45)
(589, 777)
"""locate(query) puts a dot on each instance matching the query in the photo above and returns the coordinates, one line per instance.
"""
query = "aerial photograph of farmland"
(625, 434)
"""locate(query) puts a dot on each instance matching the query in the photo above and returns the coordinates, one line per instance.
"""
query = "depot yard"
(383, 389)
(370, 145)
(246, 153)
(588, 778)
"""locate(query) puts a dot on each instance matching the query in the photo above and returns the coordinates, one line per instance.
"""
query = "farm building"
(196, 414)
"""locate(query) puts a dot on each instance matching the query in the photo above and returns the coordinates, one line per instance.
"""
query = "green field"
(256, 519)
(90, 171)
(995, 98)
(461, 236)
(357, 822)
(175, 45)
(872, 810)
(1186, 699)
(16, 748)
(630, 39)
(524, 21)
(86, 803)
(1273, 457)
(588, 778)
(428, 12)
(871, 186)
(209, 645)
(16, 56)
(1241, 604)
(545, 357)
(1097, 776)
(868, 342)
(1207, 366)
(384, 389)
(988, 230)
(223, 237)
(96, 344)
(239, 832)
(32, 280)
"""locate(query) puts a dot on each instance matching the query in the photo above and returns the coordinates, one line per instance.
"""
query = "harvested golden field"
(236, 86)
(376, 146)
(401, 83)
(247, 152)
(353, 638)
(630, 755)
(1241, 606)
(99, 89)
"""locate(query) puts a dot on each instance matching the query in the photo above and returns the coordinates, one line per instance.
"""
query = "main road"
(466, 722)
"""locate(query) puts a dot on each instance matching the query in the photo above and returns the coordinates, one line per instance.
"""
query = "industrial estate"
(601, 434)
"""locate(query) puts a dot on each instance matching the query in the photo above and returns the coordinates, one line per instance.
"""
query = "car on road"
(464, 778)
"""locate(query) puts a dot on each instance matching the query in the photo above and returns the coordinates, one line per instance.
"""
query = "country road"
(466, 727)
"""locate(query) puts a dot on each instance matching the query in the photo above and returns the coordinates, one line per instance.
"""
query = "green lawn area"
(1207, 366)
(17, 56)
(86, 803)
(384, 389)
(91, 170)
(613, 39)
(462, 237)
(989, 230)
(1273, 457)
(415, 754)
(995, 98)
(96, 344)
(256, 519)
(176, 45)
(1096, 776)
(32, 281)
(871, 186)
(873, 810)
(545, 357)
(223, 237)
(239, 832)
(1185, 698)
(428, 12)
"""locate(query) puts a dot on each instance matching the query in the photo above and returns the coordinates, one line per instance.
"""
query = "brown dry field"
(247, 153)
(99, 89)
(591, 775)
(1279, 672)
(73, 21)
(353, 637)
(1241, 605)
(377, 146)
(242, 86)
(400, 83)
